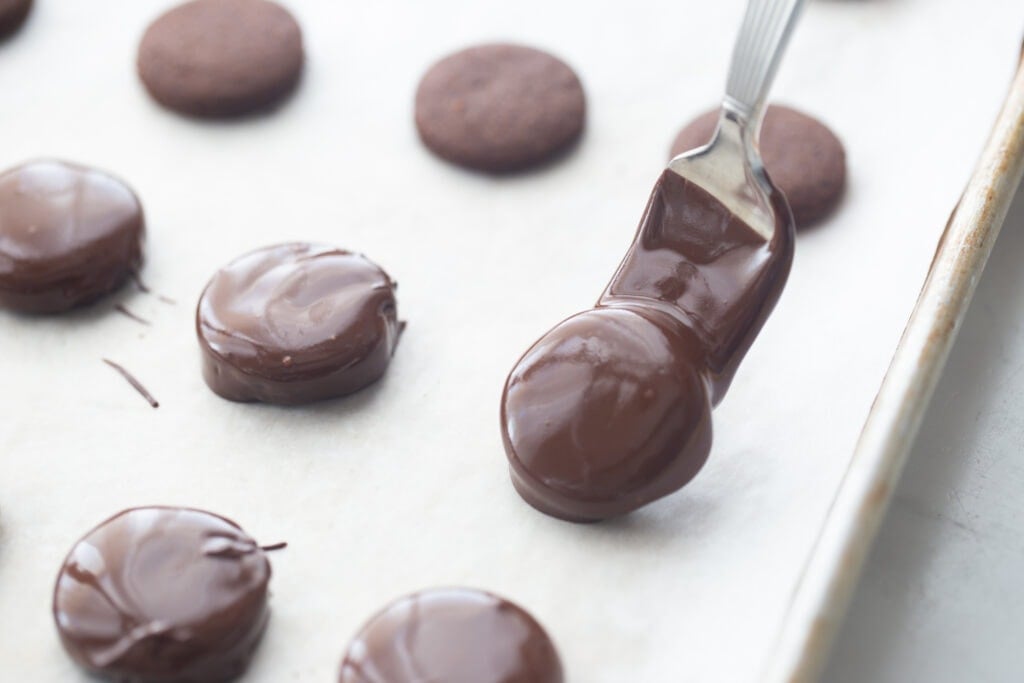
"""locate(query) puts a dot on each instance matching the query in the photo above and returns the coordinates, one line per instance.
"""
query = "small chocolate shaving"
(134, 382)
(139, 283)
(274, 546)
(120, 308)
(146, 290)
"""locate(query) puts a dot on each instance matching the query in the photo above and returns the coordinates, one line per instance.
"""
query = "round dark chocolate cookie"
(220, 58)
(12, 15)
(296, 323)
(68, 235)
(157, 594)
(499, 107)
(804, 159)
(455, 635)
(633, 422)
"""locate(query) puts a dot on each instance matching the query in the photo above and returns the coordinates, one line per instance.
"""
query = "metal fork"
(730, 166)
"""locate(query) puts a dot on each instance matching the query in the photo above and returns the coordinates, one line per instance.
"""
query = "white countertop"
(941, 598)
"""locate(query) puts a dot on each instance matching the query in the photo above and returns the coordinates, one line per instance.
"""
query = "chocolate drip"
(710, 272)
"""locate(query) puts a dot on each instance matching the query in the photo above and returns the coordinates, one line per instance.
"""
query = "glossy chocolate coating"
(707, 270)
(68, 235)
(611, 409)
(452, 635)
(163, 595)
(606, 413)
(296, 323)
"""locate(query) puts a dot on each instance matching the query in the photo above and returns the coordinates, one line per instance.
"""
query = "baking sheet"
(957, 512)
(404, 486)
(853, 519)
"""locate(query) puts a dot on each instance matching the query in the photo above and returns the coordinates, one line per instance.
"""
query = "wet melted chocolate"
(454, 636)
(611, 409)
(68, 235)
(295, 323)
(161, 595)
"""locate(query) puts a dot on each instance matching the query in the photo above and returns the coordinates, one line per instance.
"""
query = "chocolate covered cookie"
(611, 409)
(499, 107)
(220, 58)
(162, 595)
(454, 635)
(296, 323)
(68, 235)
(804, 159)
(12, 15)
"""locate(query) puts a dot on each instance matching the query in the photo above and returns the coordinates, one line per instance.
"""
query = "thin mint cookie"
(163, 595)
(452, 635)
(296, 323)
(500, 107)
(68, 235)
(221, 58)
(805, 159)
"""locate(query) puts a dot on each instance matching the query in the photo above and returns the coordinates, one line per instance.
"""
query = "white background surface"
(941, 599)
(404, 486)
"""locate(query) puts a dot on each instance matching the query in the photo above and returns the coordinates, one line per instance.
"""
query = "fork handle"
(763, 36)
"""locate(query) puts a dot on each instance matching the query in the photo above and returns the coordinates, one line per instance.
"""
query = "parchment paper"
(404, 486)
